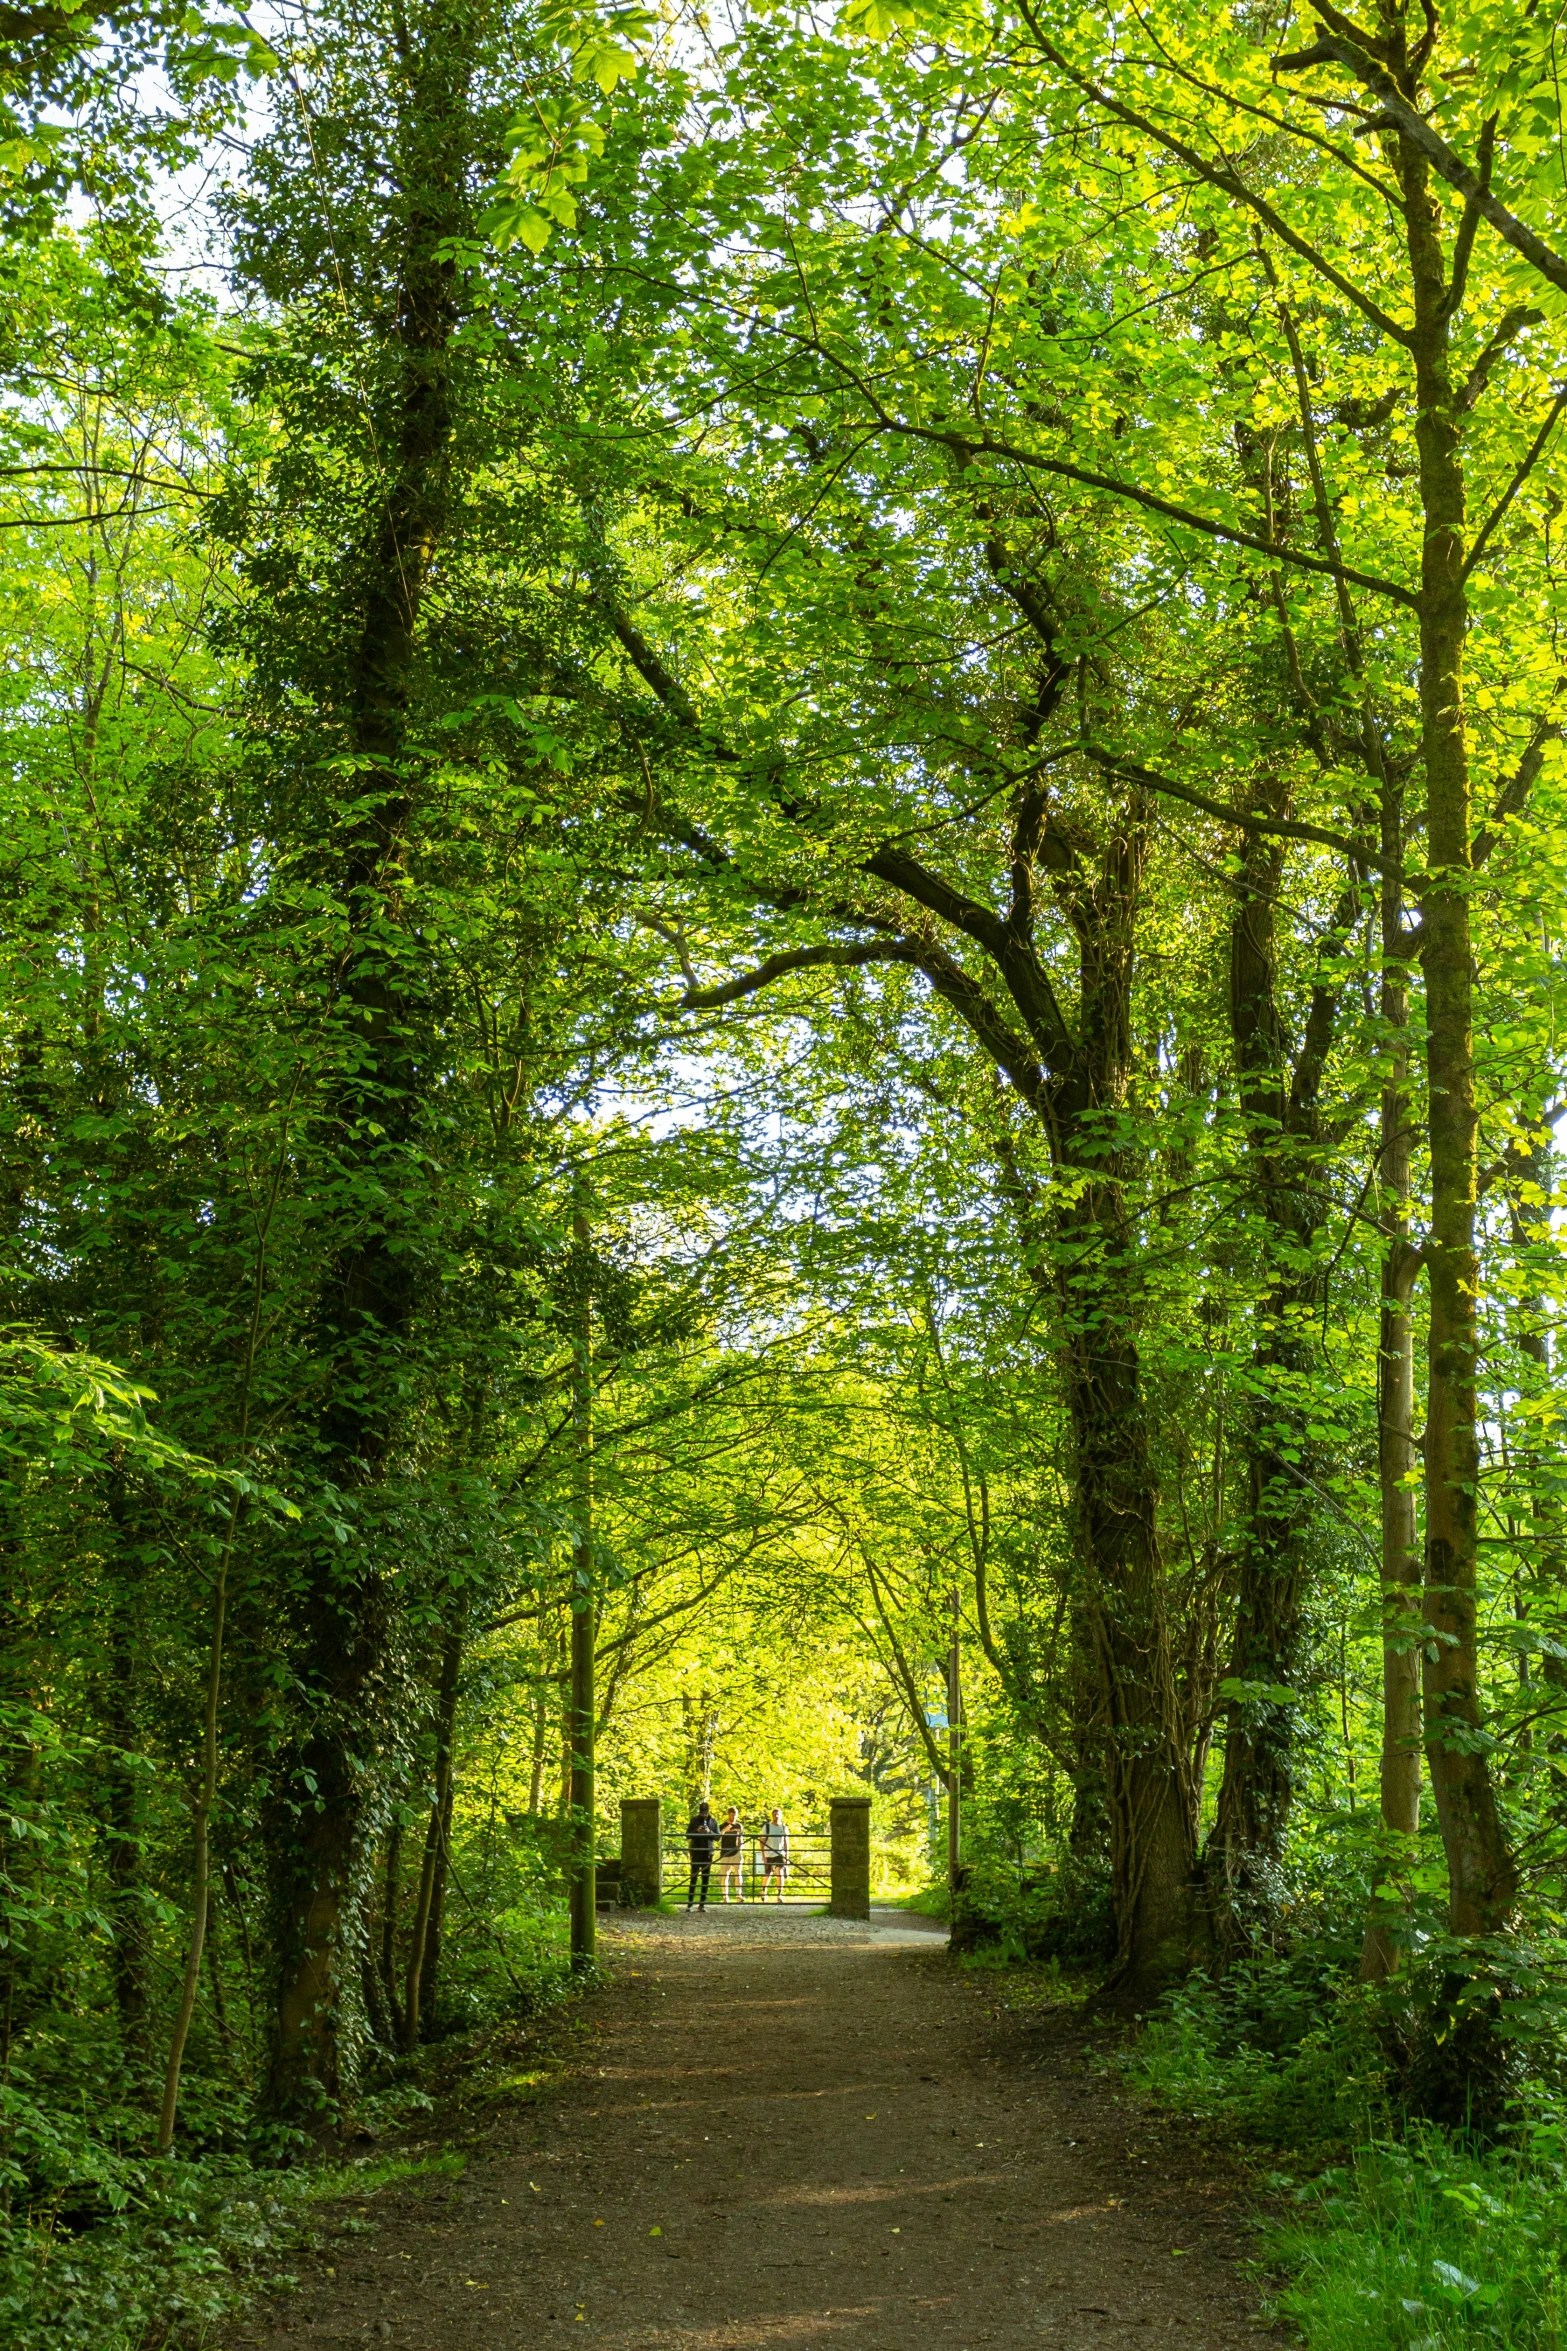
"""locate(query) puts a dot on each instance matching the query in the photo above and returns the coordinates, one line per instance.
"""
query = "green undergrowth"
(185, 2249)
(933, 1901)
(1283, 2058)
(1393, 2234)
(1421, 2243)
(103, 2247)
(1055, 1912)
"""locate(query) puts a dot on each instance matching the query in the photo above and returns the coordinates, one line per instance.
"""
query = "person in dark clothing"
(701, 1839)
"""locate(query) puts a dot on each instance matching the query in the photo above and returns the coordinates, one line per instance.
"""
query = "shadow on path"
(796, 2132)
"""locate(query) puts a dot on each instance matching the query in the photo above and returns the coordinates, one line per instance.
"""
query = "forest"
(785, 833)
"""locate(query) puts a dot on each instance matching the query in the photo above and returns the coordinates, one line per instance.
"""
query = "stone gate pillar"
(851, 1858)
(641, 1849)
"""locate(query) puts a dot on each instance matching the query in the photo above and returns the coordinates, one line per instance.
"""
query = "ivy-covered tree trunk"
(373, 1287)
(1278, 1101)
(1149, 1787)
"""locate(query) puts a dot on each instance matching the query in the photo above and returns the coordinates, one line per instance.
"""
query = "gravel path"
(791, 2133)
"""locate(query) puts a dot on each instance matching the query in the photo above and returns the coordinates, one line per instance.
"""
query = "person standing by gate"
(731, 1844)
(701, 1837)
(775, 1853)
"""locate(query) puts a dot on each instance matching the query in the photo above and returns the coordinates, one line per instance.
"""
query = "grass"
(933, 1901)
(1421, 2245)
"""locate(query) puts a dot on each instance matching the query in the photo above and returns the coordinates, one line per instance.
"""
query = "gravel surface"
(789, 2133)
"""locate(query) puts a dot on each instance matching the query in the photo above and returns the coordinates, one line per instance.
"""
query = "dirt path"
(800, 2133)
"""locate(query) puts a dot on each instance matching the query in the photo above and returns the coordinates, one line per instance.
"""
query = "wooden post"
(582, 1710)
(850, 1895)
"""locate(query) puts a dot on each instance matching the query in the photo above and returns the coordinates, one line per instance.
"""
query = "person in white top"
(774, 1842)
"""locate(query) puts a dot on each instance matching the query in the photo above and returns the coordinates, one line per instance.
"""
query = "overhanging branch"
(777, 967)
(1289, 828)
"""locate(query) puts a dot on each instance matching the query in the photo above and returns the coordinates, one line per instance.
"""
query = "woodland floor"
(793, 2132)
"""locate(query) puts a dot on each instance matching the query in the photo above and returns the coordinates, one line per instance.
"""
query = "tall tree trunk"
(955, 1756)
(1150, 1793)
(416, 1991)
(1135, 1777)
(1396, 1477)
(1245, 1847)
(1150, 1798)
(1530, 1190)
(1279, 1099)
(1482, 1873)
(373, 1287)
(434, 1933)
(118, 1707)
(582, 1715)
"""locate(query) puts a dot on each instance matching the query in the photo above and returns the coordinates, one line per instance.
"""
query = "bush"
(1057, 1911)
(1415, 2242)
(1285, 2059)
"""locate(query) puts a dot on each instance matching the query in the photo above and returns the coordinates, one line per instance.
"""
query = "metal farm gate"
(807, 1877)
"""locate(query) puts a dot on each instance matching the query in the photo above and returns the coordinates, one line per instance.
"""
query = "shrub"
(1285, 2062)
(1058, 1911)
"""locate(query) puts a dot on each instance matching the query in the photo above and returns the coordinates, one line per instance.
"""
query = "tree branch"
(1026, 978)
(905, 1680)
(1526, 466)
(1332, 48)
(1509, 328)
(775, 967)
(1515, 793)
(1217, 176)
(1361, 851)
(987, 445)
